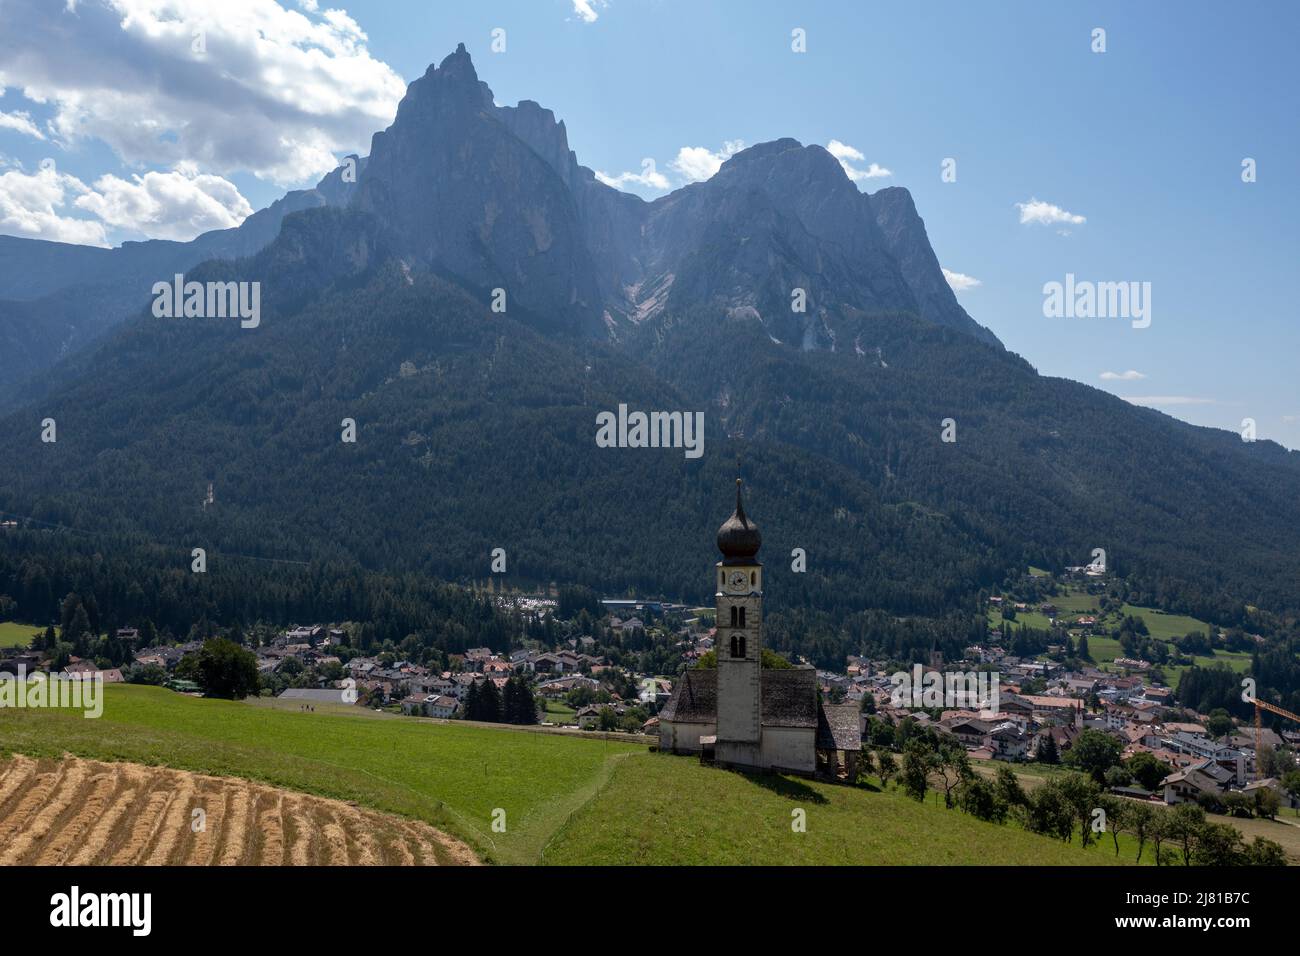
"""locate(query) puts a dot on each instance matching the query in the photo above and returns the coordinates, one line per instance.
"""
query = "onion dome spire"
(738, 538)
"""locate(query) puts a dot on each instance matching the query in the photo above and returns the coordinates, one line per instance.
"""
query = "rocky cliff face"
(495, 196)
(462, 195)
(907, 241)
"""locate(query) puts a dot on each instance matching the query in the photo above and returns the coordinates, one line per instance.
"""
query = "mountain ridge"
(476, 428)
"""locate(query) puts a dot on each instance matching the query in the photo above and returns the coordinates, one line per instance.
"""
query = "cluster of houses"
(423, 692)
(1125, 705)
(22, 660)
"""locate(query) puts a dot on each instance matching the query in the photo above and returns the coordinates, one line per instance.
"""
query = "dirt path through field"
(87, 812)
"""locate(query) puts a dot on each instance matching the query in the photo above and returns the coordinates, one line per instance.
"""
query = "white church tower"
(739, 640)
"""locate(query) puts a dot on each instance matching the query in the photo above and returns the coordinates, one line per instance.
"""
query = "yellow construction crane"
(1260, 706)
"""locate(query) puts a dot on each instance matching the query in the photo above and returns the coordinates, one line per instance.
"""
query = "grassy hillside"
(450, 776)
(665, 810)
(567, 799)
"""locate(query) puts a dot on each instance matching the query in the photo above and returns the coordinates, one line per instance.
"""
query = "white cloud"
(960, 282)
(1046, 214)
(848, 155)
(279, 92)
(31, 205)
(161, 205)
(177, 205)
(697, 163)
(1167, 400)
(20, 121)
(649, 177)
(1132, 375)
(585, 10)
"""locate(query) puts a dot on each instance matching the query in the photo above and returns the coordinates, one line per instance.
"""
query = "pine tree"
(489, 701)
(521, 707)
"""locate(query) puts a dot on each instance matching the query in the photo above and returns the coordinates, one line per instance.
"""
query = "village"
(592, 682)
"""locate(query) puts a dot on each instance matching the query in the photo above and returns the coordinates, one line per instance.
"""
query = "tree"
(1267, 803)
(226, 669)
(1217, 844)
(916, 769)
(1262, 852)
(489, 703)
(519, 707)
(187, 668)
(1083, 795)
(1158, 831)
(146, 674)
(980, 799)
(886, 765)
(1118, 776)
(953, 765)
(864, 766)
(1117, 816)
(1046, 751)
(1147, 770)
(1094, 752)
(1140, 818)
(1291, 783)
(1048, 811)
(1008, 787)
(1237, 804)
(1219, 723)
(1182, 824)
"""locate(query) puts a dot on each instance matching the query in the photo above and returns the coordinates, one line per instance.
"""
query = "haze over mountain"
(476, 429)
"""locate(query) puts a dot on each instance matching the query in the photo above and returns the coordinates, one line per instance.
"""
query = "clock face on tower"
(738, 582)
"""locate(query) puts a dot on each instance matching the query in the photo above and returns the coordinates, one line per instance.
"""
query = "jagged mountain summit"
(493, 197)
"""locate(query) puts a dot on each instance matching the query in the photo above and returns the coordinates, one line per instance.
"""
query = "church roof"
(838, 727)
(789, 698)
(694, 699)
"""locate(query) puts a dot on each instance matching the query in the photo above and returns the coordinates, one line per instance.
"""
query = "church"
(740, 714)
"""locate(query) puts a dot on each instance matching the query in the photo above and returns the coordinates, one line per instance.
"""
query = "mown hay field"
(78, 812)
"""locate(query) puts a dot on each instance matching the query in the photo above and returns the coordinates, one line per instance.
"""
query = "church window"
(737, 645)
(735, 617)
(742, 617)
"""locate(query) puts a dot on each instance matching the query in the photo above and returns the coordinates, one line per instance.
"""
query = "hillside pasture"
(457, 778)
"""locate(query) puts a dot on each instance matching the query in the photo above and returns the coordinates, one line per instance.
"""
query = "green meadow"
(559, 713)
(13, 634)
(452, 776)
(566, 799)
(1164, 626)
(666, 810)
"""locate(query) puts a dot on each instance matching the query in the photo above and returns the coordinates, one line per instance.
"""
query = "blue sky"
(1144, 141)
